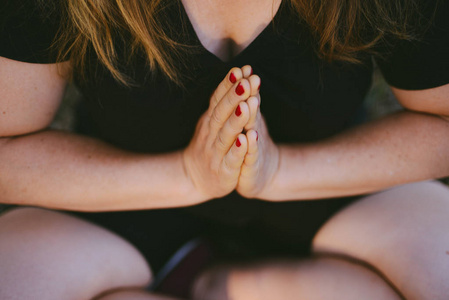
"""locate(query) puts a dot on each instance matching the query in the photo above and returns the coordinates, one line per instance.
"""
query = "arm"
(404, 147)
(62, 170)
(400, 148)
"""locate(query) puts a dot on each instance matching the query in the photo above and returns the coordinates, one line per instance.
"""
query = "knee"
(228, 282)
(417, 263)
(402, 233)
(65, 256)
(212, 284)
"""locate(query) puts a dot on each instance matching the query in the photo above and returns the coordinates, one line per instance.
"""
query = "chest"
(304, 98)
(226, 27)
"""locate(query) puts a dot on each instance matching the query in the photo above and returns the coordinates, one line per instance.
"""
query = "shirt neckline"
(268, 29)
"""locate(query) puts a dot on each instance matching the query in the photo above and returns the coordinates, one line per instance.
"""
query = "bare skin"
(315, 278)
(93, 176)
(211, 171)
(356, 262)
(389, 245)
(51, 255)
(219, 131)
(86, 172)
(406, 147)
(226, 28)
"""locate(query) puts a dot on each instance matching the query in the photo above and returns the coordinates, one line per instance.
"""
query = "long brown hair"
(342, 28)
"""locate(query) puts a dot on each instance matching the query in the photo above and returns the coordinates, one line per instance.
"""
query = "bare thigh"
(402, 232)
(315, 278)
(51, 255)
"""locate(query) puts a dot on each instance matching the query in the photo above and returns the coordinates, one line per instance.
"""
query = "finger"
(232, 128)
(253, 149)
(255, 83)
(253, 105)
(233, 160)
(233, 76)
(247, 71)
(228, 105)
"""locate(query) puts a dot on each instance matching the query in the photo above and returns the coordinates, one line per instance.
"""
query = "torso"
(226, 28)
(304, 98)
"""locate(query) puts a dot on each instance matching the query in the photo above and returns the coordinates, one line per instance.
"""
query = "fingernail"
(239, 90)
(238, 111)
(251, 73)
(232, 78)
(237, 143)
(257, 136)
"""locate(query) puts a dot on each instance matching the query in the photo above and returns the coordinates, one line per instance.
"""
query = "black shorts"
(240, 229)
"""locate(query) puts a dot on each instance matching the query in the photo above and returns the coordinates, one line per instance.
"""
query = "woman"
(170, 127)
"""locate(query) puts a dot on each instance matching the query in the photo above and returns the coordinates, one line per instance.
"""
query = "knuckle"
(228, 132)
(232, 160)
(226, 167)
(232, 153)
(220, 143)
(213, 166)
(226, 171)
(230, 99)
(249, 161)
(216, 116)
(235, 125)
(213, 98)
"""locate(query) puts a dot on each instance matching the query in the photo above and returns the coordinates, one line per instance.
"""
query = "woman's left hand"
(262, 158)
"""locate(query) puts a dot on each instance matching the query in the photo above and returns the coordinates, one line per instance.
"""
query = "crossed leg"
(53, 256)
(402, 232)
(389, 245)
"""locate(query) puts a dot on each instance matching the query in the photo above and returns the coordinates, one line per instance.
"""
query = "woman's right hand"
(214, 157)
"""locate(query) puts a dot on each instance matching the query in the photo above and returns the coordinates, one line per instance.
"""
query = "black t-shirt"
(303, 98)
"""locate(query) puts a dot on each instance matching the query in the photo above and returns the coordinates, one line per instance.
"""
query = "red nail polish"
(251, 72)
(239, 90)
(237, 143)
(232, 78)
(257, 136)
(238, 111)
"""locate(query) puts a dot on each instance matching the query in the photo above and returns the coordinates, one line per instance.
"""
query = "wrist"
(269, 190)
(191, 188)
(280, 187)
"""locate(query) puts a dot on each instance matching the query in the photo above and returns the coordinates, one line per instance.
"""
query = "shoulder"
(422, 63)
(418, 71)
(28, 29)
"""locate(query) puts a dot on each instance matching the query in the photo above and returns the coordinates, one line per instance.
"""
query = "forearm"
(400, 148)
(65, 171)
